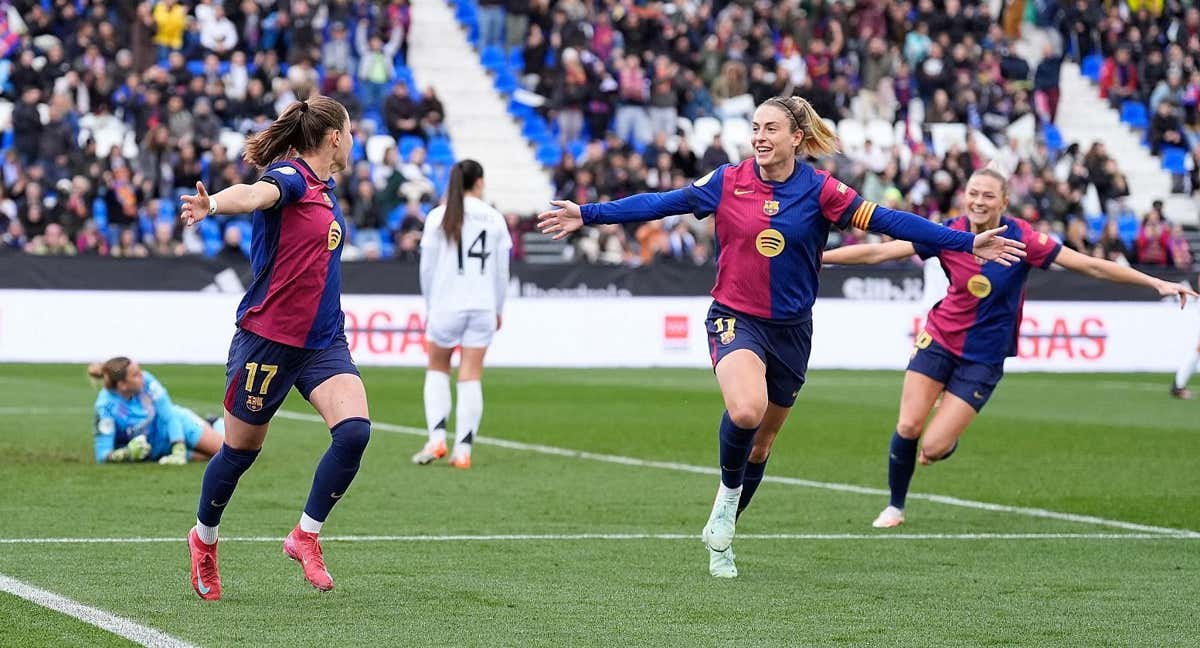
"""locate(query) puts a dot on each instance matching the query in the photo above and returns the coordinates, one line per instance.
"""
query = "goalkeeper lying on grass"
(136, 420)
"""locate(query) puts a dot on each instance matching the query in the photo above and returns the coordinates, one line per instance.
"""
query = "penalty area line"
(833, 486)
(118, 625)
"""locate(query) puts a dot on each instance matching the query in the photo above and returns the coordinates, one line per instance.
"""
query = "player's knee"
(746, 414)
(938, 450)
(351, 436)
(908, 429)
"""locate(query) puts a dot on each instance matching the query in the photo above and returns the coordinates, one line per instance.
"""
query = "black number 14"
(482, 254)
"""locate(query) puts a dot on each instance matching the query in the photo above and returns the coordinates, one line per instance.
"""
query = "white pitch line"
(117, 625)
(555, 537)
(833, 486)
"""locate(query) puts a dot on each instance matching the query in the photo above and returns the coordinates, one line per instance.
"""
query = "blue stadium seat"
(7, 141)
(440, 151)
(100, 214)
(1134, 114)
(516, 59)
(1127, 227)
(1174, 159)
(195, 67)
(1091, 65)
(506, 83)
(1054, 138)
(395, 217)
(549, 154)
(534, 127)
(407, 143)
(247, 230)
(577, 147)
(492, 57)
(1096, 225)
(387, 249)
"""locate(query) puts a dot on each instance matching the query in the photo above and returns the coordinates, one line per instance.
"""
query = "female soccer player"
(136, 420)
(290, 327)
(968, 334)
(773, 213)
(464, 276)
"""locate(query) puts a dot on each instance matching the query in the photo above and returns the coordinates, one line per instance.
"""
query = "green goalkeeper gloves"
(178, 455)
(137, 449)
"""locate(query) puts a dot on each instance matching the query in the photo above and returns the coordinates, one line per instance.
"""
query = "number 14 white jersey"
(471, 273)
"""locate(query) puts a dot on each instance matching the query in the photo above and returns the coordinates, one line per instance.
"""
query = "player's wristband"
(212, 205)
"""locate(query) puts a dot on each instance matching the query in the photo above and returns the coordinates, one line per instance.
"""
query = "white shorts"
(473, 328)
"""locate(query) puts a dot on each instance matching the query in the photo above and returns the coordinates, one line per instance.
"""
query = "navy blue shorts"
(260, 372)
(971, 381)
(783, 348)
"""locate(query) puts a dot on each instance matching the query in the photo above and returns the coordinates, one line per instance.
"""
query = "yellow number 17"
(252, 371)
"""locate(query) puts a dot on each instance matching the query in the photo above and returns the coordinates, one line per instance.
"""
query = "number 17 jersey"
(466, 273)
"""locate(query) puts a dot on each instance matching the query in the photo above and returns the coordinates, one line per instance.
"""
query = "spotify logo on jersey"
(769, 242)
(979, 286)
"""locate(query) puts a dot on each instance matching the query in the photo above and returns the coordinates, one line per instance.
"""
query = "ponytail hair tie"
(303, 106)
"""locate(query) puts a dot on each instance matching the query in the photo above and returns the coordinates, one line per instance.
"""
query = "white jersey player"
(1189, 364)
(464, 277)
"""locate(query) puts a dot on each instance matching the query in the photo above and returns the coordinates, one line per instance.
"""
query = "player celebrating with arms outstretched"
(290, 327)
(464, 276)
(959, 357)
(773, 215)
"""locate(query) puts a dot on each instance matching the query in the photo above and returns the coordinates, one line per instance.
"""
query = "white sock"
(731, 494)
(309, 525)
(470, 411)
(207, 534)
(437, 404)
(1185, 370)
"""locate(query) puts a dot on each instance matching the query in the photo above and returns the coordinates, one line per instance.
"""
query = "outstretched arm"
(902, 225)
(1105, 269)
(569, 217)
(869, 254)
(238, 199)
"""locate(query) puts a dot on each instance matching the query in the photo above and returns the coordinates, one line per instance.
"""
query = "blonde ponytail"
(109, 372)
(819, 138)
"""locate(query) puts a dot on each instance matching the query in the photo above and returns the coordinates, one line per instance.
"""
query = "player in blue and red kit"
(773, 214)
(290, 327)
(968, 334)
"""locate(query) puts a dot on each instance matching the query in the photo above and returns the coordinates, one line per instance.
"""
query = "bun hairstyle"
(819, 138)
(108, 373)
(995, 170)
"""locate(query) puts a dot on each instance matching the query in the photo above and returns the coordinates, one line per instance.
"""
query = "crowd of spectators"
(617, 76)
(182, 77)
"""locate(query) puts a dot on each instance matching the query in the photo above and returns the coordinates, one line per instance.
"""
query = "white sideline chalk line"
(882, 535)
(117, 625)
(706, 470)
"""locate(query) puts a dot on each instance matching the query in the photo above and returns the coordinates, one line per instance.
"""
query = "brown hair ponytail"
(110, 372)
(463, 177)
(819, 138)
(301, 126)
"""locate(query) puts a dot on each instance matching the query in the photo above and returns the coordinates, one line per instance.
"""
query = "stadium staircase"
(441, 54)
(1085, 118)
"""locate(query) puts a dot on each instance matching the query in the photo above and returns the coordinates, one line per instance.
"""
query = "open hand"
(194, 208)
(1181, 290)
(562, 221)
(990, 246)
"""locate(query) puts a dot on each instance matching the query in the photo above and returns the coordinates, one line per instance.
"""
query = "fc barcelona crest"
(254, 403)
(770, 207)
(728, 336)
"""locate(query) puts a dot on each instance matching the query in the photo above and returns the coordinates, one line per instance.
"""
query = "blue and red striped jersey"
(771, 235)
(980, 316)
(295, 255)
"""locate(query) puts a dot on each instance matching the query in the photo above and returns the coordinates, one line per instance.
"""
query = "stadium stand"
(109, 112)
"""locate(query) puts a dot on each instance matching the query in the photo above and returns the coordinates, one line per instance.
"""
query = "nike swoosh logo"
(200, 582)
(742, 192)
(214, 503)
(337, 495)
(978, 396)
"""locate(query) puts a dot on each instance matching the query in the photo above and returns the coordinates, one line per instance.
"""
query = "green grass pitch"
(1107, 446)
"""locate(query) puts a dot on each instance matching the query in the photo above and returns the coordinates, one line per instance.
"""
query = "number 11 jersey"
(467, 272)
